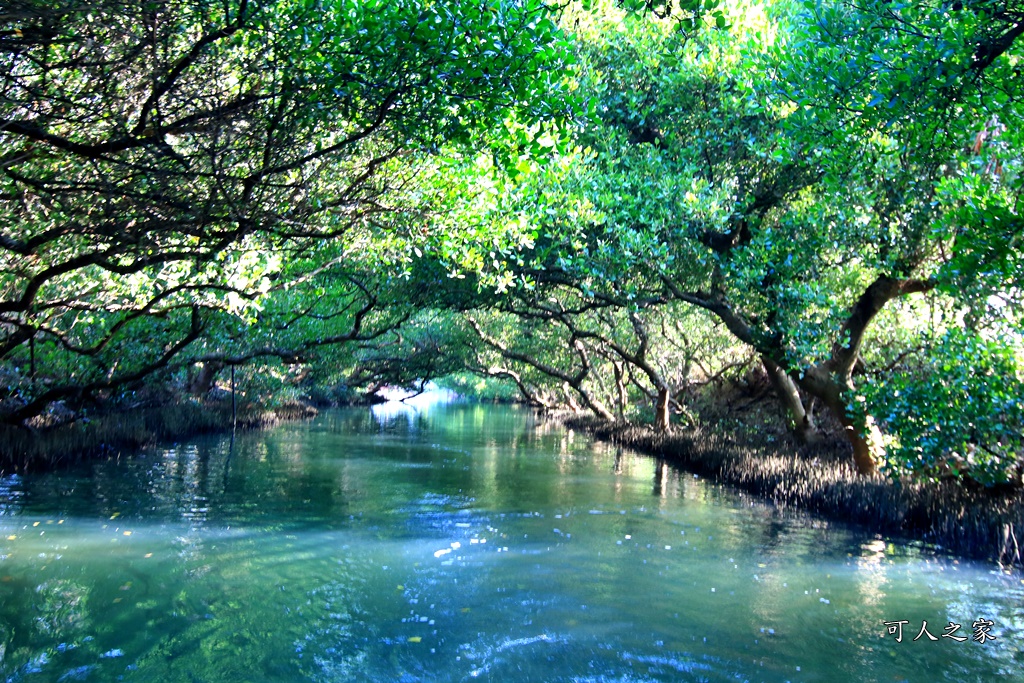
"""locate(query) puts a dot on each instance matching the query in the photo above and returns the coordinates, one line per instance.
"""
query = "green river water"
(461, 543)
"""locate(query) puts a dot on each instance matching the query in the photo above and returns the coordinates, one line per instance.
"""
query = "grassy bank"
(114, 432)
(964, 520)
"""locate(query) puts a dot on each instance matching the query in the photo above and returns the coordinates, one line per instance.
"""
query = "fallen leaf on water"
(415, 639)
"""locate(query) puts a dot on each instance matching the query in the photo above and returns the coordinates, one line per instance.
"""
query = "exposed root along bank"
(966, 521)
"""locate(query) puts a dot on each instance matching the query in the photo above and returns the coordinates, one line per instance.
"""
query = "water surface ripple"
(463, 543)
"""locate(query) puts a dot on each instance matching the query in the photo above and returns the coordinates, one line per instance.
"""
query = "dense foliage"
(209, 182)
(604, 206)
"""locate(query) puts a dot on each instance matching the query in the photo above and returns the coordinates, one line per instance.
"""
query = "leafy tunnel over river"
(463, 542)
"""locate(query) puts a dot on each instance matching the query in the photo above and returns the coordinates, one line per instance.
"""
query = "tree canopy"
(190, 180)
(606, 206)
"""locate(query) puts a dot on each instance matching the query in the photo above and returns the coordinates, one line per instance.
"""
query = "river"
(460, 543)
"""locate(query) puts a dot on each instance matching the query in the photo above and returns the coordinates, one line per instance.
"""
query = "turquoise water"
(462, 543)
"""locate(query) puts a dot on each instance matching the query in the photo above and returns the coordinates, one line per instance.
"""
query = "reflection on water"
(460, 543)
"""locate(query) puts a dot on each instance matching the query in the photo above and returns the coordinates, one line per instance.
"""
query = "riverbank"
(968, 521)
(114, 432)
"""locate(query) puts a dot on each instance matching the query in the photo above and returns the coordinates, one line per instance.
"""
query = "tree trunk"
(595, 405)
(203, 382)
(868, 449)
(866, 439)
(786, 389)
(622, 398)
(662, 414)
(573, 405)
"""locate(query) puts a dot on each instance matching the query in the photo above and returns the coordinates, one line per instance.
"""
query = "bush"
(960, 414)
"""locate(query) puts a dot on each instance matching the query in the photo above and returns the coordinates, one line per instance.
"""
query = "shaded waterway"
(463, 543)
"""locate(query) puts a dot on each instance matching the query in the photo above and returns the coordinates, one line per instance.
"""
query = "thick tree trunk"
(662, 414)
(866, 439)
(868, 449)
(203, 382)
(833, 379)
(788, 393)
